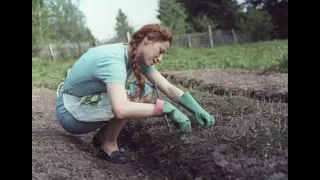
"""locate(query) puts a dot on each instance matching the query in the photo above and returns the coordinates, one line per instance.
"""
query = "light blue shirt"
(99, 66)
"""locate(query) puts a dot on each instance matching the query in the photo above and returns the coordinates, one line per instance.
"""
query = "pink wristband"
(158, 109)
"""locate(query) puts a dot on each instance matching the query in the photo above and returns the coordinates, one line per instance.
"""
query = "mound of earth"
(249, 141)
(271, 87)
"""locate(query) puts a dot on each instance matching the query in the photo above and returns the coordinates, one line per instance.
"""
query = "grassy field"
(253, 56)
(249, 56)
(47, 73)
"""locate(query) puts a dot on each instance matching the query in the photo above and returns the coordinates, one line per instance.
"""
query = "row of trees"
(57, 21)
(258, 19)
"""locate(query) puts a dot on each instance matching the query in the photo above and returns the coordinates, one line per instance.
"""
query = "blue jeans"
(72, 125)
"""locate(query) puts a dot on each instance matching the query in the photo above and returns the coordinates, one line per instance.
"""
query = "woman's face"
(152, 52)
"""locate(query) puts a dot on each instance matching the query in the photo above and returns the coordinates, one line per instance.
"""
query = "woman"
(93, 95)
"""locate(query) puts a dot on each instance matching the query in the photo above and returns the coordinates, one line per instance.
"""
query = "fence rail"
(194, 40)
(56, 51)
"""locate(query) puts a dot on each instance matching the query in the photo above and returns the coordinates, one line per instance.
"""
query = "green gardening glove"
(179, 119)
(202, 116)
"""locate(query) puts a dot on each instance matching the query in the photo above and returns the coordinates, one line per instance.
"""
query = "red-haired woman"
(93, 95)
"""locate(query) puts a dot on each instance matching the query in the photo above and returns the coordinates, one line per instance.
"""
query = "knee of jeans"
(72, 131)
(78, 127)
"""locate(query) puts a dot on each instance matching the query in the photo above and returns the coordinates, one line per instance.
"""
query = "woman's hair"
(154, 32)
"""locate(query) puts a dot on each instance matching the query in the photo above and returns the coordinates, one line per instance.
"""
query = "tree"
(278, 9)
(221, 12)
(172, 15)
(256, 24)
(201, 23)
(122, 26)
(58, 21)
(67, 22)
(40, 25)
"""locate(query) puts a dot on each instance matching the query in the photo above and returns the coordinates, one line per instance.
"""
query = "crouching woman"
(93, 95)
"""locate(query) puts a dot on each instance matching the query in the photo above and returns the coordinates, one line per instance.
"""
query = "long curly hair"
(153, 32)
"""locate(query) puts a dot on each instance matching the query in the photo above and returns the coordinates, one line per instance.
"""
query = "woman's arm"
(123, 108)
(183, 98)
(171, 91)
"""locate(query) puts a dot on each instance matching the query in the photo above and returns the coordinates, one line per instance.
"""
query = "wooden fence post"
(51, 52)
(128, 36)
(234, 36)
(210, 36)
(189, 42)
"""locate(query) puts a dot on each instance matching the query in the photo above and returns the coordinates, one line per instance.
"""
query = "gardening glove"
(202, 116)
(180, 120)
(134, 89)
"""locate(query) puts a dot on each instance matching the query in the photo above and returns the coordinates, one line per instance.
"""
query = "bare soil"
(249, 141)
(58, 155)
(270, 86)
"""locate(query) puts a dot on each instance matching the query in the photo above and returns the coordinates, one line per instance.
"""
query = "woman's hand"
(179, 119)
(202, 116)
(125, 109)
(183, 98)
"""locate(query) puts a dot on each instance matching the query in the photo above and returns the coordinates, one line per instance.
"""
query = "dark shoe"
(96, 141)
(116, 157)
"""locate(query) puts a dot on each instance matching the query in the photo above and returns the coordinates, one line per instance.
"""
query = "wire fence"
(208, 39)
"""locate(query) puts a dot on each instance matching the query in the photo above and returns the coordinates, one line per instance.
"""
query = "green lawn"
(47, 73)
(254, 56)
(249, 56)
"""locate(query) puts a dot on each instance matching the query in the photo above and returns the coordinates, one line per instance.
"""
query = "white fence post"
(128, 36)
(51, 52)
(189, 42)
(234, 36)
(210, 36)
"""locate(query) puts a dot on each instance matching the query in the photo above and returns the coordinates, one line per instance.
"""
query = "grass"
(253, 56)
(47, 73)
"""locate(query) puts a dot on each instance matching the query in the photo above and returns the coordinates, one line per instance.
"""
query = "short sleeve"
(111, 69)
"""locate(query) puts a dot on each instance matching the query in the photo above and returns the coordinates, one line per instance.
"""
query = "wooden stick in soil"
(164, 116)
